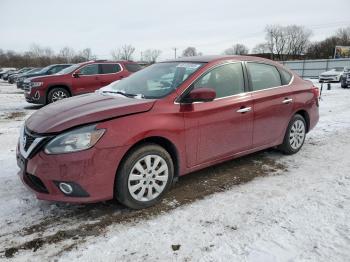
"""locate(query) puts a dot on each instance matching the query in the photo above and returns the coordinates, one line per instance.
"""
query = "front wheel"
(295, 135)
(57, 94)
(144, 176)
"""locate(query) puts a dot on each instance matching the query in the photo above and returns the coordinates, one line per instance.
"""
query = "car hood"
(84, 109)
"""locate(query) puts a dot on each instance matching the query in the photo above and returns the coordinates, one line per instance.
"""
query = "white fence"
(313, 68)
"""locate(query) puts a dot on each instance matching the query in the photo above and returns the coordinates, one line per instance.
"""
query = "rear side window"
(285, 76)
(263, 76)
(226, 80)
(89, 70)
(132, 67)
(110, 68)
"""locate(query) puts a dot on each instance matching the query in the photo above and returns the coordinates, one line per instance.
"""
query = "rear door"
(223, 127)
(273, 102)
(88, 80)
(110, 72)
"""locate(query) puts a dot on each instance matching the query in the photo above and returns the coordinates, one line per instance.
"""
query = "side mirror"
(76, 74)
(201, 94)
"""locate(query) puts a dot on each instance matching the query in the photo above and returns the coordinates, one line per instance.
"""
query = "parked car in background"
(20, 77)
(13, 76)
(5, 70)
(345, 80)
(131, 140)
(6, 74)
(76, 80)
(48, 70)
(333, 75)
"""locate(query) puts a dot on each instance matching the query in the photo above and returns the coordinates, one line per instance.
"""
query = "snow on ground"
(302, 214)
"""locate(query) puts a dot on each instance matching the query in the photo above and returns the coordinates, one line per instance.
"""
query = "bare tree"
(262, 48)
(287, 41)
(67, 54)
(151, 55)
(190, 51)
(343, 34)
(237, 49)
(87, 55)
(123, 53)
(297, 40)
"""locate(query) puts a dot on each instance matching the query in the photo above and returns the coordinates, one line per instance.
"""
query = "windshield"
(156, 81)
(338, 69)
(68, 69)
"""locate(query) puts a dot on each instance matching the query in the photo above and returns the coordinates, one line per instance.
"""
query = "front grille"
(35, 183)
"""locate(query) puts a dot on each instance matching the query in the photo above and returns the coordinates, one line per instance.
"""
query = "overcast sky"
(210, 26)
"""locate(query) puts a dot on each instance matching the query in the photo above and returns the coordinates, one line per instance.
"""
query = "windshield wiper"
(120, 93)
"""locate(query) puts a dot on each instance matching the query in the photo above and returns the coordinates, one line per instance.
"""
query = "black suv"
(49, 70)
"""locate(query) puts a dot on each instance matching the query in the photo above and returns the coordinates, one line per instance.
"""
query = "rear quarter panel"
(305, 99)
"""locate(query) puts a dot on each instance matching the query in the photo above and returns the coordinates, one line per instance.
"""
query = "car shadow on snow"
(82, 221)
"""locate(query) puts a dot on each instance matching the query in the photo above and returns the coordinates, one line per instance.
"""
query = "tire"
(57, 94)
(136, 179)
(293, 143)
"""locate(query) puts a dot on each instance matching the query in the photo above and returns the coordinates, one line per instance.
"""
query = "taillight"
(316, 92)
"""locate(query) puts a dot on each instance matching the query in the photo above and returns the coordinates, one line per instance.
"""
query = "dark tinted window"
(226, 80)
(132, 67)
(89, 70)
(286, 77)
(54, 70)
(263, 76)
(110, 68)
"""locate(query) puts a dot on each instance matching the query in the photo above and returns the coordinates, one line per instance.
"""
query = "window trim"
(269, 88)
(99, 69)
(178, 100)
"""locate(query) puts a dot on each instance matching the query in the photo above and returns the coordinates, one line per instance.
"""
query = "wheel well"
(305, 115)
(163, 142)
(58, 86)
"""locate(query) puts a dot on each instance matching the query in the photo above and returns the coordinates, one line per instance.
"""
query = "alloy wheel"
(148, 178)
(58, 95)
(297, 134)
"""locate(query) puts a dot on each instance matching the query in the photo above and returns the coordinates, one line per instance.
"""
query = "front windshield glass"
(338, 69)
(157, 80)
(68, 69)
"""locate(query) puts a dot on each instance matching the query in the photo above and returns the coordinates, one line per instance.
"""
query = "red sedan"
(131, 140)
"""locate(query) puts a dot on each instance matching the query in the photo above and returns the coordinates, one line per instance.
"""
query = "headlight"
(36, 84)
(75, 140)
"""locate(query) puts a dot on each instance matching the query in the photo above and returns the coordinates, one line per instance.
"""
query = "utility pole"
(175, 51)
(141, 56)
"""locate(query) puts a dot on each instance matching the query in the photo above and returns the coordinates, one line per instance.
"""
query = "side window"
(286, 77)
(132, 67)
(110, 68)
(263, 76)
(53, 70)
(226, 80)
(89, 70)
(56, 69)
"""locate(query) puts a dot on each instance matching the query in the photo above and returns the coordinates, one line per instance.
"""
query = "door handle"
(244, 110)
(287, 100)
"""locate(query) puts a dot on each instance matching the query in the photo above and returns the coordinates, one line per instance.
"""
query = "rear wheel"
(144, 176)
(57, 94)
(295, 135)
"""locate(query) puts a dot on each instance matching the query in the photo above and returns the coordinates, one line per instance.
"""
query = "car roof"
(214, 58)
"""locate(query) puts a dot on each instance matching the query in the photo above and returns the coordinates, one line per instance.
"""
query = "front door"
(223, 127)
(87, 81)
